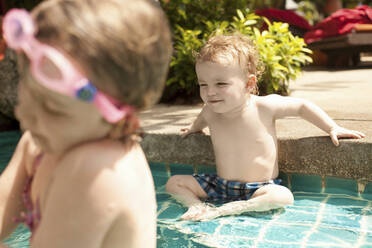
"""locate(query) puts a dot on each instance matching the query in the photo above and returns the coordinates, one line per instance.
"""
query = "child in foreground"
(78, 177)
(242, 129)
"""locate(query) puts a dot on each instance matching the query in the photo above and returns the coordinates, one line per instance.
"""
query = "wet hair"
(229, 49)
(122, 46)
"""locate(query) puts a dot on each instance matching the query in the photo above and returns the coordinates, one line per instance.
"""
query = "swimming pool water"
(327, 212)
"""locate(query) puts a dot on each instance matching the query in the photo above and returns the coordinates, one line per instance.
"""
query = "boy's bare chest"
(252, 131)
(236, 134)
(249, 124)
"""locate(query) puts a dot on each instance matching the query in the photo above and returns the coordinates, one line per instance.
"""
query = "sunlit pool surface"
(327, 212)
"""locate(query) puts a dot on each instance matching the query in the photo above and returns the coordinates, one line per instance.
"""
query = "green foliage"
(193, 22)
(283, 56)
(309, 11)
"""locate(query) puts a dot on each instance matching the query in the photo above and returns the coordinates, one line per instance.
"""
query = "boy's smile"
(222, 87)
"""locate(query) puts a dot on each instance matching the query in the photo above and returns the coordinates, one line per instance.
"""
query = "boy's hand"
(187, 131)
(201, 212)
(340, 132)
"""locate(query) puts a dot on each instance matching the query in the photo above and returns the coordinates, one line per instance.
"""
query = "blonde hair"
(122, 46)
(229, 49)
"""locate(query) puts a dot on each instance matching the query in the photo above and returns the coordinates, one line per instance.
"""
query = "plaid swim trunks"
(222, 190)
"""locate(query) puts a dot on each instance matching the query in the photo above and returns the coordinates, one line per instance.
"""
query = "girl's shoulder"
(89, 162)
(100, 173)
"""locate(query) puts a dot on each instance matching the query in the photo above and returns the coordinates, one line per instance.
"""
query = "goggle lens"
(49, 69)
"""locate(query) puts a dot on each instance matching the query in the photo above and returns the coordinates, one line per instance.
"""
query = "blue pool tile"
(341, 186)
(346, 201)
(369, 234)
(268, 244)
(233, 242)
(202, 227)
(157, 167)
(367, 194)
(345, 210)
(310, 195)
(333, 236)
(284, 177)
(162, 197)
(160, 182)
(19, 238)
(306, 183)
(308, 203)
(173, 211)
(350, 222)
(236, 231)
(366, 245)
(207, 169)
(193, 244)
(181, 169)
(345, 205)
(8, 143)
(290, 210)
(286, 233)
(226, 241)
(159, 173)
(174, 239)
(299, 217)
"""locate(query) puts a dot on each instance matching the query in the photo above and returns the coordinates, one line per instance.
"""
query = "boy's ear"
(251, 82)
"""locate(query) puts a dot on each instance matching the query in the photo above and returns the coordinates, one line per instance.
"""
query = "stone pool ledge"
(302, 147)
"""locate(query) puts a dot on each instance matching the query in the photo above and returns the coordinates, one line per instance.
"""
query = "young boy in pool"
(78, 177)
(242, 129)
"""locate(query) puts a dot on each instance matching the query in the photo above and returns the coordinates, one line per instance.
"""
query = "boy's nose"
(211, 91)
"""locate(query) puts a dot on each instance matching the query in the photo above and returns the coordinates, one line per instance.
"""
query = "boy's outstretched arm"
(197, 126)
(290, 106)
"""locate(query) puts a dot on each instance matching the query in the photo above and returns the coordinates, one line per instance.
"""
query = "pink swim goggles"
(52, 69)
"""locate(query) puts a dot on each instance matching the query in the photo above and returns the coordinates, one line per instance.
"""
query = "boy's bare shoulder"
(268, 101)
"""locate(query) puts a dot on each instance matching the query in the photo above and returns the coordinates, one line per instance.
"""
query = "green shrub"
(282, 54)
(193, 22)
(309, 11)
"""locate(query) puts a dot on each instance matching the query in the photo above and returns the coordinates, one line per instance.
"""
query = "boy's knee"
(173, 183)
(283, 196)
(277, 195)
(288, 198)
